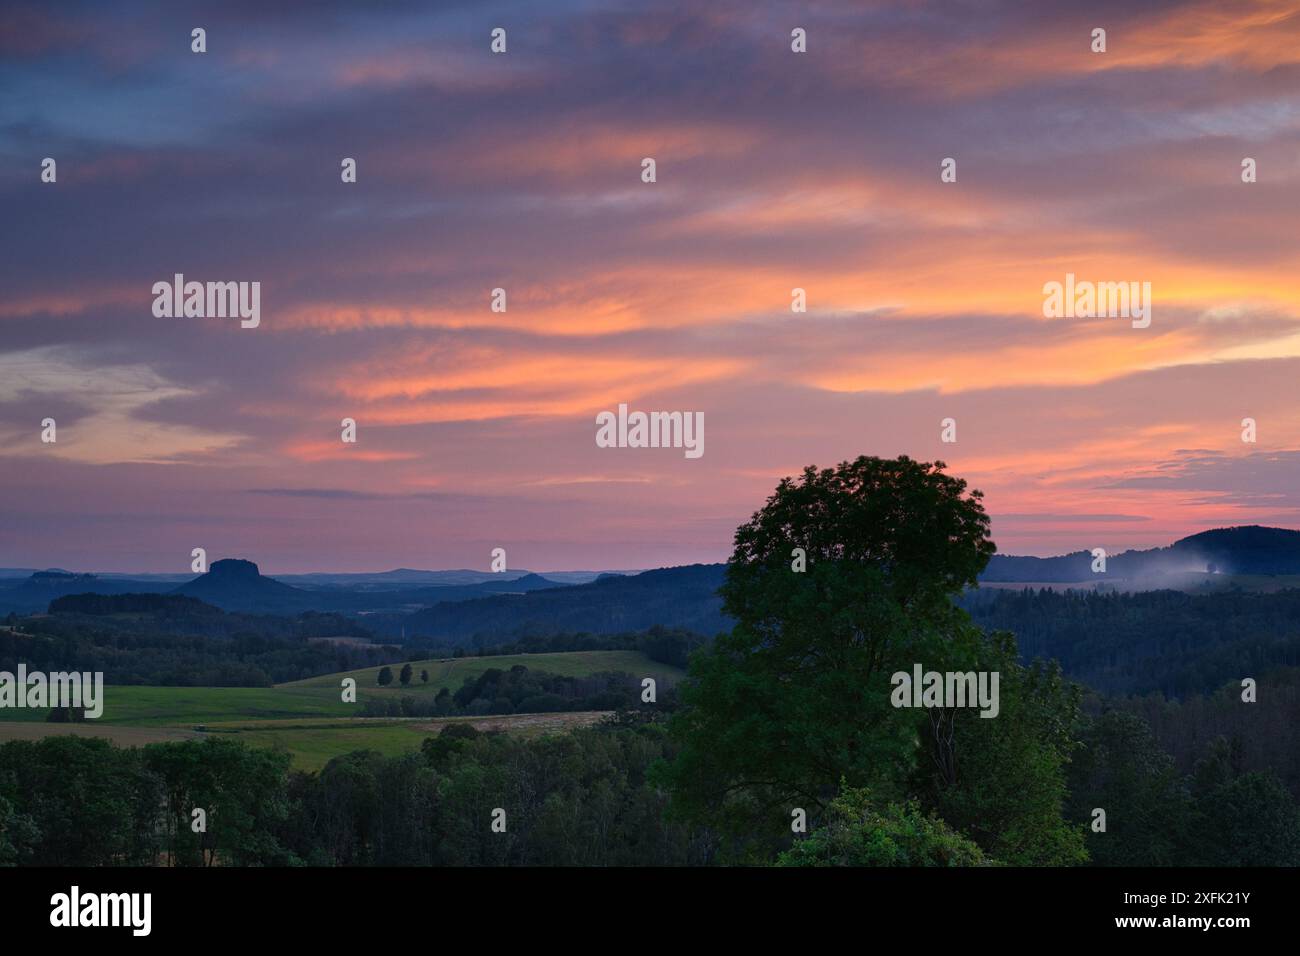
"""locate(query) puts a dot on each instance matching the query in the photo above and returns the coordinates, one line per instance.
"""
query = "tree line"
(1170, 642)
(785, 745)
(590, 798)
(177, 641)
(517, 691)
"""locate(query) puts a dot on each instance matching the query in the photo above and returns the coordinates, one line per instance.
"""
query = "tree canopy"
(844, 577)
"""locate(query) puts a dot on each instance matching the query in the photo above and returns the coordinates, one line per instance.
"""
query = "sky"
(522, 170)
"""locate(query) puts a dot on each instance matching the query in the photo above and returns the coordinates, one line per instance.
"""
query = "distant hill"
(674, 597)
(397, 579)
(237, 585)
(529, 582)
(33, 594)
(178, 640)
(1066, 568)
(234, 584)
(687, 596)
(1174, 642)
(1251, 549)
(408, 578)
(511, 605)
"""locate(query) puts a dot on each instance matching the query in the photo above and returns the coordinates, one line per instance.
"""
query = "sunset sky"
(522, 170)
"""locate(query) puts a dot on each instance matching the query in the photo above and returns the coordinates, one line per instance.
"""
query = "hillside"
(33, 594)
(172, 639)
(233, 584)
(309, 719)
(1251, 549)
(673, 597)
(237, 585)
(1247, 550)
(1169, 641)
(452, 672)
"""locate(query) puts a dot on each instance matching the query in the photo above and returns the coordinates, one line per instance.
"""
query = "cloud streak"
(775, 171)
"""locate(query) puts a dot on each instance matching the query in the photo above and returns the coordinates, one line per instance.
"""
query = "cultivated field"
(309, 719)
(451, 672)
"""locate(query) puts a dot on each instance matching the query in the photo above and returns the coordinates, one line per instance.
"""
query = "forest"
(175, 641)
(589, 798)
(1122, 735)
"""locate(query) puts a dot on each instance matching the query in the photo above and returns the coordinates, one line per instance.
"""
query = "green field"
(451, 672)
(314, 743)
(139, 706)
(309, 719)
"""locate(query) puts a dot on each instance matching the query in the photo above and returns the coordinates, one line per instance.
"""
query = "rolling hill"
(451, 672)
(309, 719)
(673, 597)
(1247, 550)
(233, 584)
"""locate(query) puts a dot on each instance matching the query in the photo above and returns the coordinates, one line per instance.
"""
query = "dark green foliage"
(796, 698)
(1001, 780)
(66, 715)
(174, 641)
(856, 833)
(169, 606)
(18, 835)
(1166, 641)
(437, 750)
(668, 645)
(242, 790)
(1219, 815)
(73, 801)
(1120, 769)
(791, 709)
(576, 799)
(365, 809)
(1265, 734)
(582, 798)
(683, 597)
(1242, 818)
(522, 691)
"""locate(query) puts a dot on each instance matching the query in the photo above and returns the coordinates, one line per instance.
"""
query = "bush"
(856, 834)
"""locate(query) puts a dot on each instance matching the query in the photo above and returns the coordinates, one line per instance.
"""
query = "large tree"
(845, 577)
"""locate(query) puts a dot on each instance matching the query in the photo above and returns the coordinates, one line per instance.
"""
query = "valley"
(308, 718)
